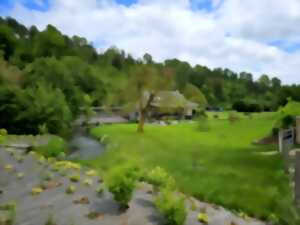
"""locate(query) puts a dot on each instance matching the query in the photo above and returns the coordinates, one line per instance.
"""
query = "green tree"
(194, 94)
(8, 41)
(143, 86)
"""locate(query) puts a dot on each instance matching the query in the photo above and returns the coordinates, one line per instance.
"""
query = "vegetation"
(10, 219)
(160, 178)
(71, 189)
(54, 148)
(286, 115)
(172, 206)
(212, 165)
(121, 181)
(47, 78)
(50, 221)
(75, 178)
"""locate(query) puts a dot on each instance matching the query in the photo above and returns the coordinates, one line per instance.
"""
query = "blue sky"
(240, 35)
(43, 5)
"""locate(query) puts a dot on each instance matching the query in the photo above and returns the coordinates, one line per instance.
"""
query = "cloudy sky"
(259, 36)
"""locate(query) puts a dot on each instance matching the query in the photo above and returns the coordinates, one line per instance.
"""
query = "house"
(172, 103)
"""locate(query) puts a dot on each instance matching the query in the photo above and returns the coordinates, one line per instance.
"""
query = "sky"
(257, 36)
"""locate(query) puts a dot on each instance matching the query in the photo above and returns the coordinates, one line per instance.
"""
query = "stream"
(83, 146)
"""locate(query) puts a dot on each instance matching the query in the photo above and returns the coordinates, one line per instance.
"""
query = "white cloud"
(168, 29)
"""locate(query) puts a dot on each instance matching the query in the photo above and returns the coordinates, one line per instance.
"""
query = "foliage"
(91, 173)
(203, 218)
(3, 132)
(41, 66)
(10, 219)
(172, 206)
(75, 178)
(71, 189)
(121, 181)
(286, 116)
(233, 117)
(50, 221)
(88, 182)
(202, 163)
(160, 178)
(36, 190)
(241, 106)
(54, 148)
(31, 109)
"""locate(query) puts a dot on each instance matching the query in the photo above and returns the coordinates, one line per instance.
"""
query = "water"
(84, 147)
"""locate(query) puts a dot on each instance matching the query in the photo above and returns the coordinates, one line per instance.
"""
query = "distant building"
(169, 104)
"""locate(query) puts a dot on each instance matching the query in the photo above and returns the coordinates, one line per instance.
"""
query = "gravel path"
(55, 202)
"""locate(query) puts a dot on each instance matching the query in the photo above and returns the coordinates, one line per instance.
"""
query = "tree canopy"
(39, 66)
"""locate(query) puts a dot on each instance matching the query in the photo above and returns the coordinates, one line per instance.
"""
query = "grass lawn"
(220, 165)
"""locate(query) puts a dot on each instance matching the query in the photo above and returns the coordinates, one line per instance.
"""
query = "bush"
(75, 178)
(71, 189)
(54, 148)
(288, 121)
(241, 106)
(172, 207)
(121, 182)
(3, 132)
(160, 178)
(2, 139)
(233, 117)
(11, 216)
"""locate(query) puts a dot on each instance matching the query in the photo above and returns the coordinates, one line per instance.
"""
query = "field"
(218, 164)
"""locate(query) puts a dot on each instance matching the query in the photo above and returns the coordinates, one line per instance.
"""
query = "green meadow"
(218, 164)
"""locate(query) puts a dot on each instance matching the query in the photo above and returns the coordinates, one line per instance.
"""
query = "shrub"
(91, 173)
(36, 190)
(11, 216)
(233, 117)
(20, 176)
(71, 189)
(287, 121)
(19, 158)
(203, 218)
(160, 178)
(48, 176)
(50, 221)
(121, 182)
(54, 148)
(3, 132)
(88, 182)
(172, 206)
(75, 178)
(2, 139)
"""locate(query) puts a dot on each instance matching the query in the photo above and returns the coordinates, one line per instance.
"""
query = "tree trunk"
(141, 121)
(143, 111)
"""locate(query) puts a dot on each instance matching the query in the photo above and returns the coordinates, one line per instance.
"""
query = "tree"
(143, 86)
(264, 81)
(276, 83)
(194, 94)
(147, 58)
(8, 41)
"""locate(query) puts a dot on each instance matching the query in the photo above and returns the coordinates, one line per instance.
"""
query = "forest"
(46, 77)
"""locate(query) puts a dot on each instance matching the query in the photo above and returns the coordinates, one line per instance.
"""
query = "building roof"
(172, 99)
